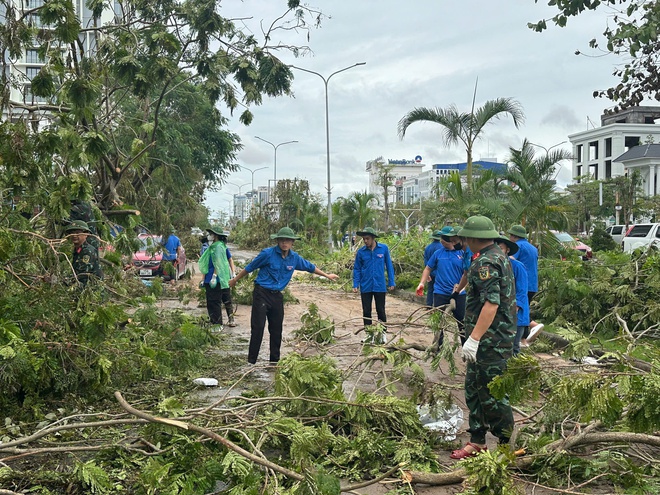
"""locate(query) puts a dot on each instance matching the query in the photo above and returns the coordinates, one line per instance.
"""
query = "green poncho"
(218, 250)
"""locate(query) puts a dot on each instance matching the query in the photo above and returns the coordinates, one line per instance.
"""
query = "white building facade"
(595, 151)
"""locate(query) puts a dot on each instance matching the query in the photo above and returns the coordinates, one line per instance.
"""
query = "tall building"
(22, 71)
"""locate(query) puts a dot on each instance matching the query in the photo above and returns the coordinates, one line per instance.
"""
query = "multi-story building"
(398, 170)
(596, 151)
(422, 186)
(23, 70)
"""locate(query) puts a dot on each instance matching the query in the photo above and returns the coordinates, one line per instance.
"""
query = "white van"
(642, 235)
(616, 232)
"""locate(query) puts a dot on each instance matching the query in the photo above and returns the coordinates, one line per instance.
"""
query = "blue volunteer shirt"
(428, 252)
(528, 255)
(448, 267)
(275, 272)
(169, 248)
(209, 274)
(520, 275)
(369, 269)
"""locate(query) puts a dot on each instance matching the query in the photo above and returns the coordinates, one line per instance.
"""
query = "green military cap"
(436, 235)
(367, 231)
(215, 231)
(479, 227)
(285, 233)
(513, 247)
(518, 231)
(78, 225)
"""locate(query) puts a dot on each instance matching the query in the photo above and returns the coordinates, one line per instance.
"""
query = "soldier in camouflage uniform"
(490, 324)
(85, 260)
(82, 210)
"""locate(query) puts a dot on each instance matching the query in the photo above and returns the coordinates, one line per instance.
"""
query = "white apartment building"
(400, 170)
(23, 70)
(596, 152)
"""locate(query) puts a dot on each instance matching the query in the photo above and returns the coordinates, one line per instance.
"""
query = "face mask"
(458, 246)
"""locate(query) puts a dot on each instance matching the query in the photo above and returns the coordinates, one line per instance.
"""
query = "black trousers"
(226, 300)
(214, 299)
(459, 312)
(266, 305)
(379, 298)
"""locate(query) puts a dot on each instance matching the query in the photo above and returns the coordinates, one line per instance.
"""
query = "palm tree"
(531, 199)
(355, 212)
(464, 127)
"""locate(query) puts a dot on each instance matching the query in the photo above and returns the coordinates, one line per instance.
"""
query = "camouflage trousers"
(487, 412)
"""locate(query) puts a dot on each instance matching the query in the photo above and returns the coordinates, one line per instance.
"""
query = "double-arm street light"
(275, 146)
(239, 187)
(327, 138)
(252, 172)
(243, 203)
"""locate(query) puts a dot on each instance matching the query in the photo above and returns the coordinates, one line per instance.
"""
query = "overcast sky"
(418, 53)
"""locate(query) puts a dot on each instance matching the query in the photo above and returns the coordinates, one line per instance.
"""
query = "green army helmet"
(285, 233)
(479, 227)
(518, 231)
(367, 231)
(78, 225)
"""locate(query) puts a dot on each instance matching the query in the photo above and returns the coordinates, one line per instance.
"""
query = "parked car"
(570, 242)
(616, 232)
(642, 235)
(148, 258)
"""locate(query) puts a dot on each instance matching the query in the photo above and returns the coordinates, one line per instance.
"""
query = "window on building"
(608, 147)
(593, 151)
(31, 72)
(631, 142)
(29, 98)
(578, 171)
(593, 171)
(32, 57)
(579, 153)
(608, 169)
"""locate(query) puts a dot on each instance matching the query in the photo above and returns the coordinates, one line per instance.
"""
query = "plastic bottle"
(214, 281)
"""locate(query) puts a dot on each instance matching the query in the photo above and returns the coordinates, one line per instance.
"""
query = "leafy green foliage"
(315, 327)
(520, 380)
(632, 32)
(488, 473)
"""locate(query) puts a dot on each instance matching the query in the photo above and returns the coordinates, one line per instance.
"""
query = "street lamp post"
(239, 193)
(252, 172)
(275, 146)
(327, 138)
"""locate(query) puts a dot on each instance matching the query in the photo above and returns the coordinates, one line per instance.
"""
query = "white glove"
(469, 352)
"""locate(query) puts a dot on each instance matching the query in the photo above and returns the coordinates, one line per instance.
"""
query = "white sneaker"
(534, 332)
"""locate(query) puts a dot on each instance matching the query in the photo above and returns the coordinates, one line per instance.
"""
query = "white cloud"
(418, 53)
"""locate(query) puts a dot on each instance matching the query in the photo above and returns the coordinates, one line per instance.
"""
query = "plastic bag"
(445, 421)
